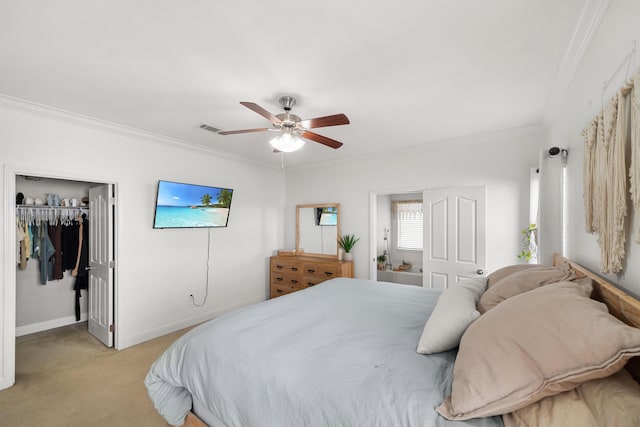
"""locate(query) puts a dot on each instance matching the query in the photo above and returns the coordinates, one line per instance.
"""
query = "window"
(409, 216)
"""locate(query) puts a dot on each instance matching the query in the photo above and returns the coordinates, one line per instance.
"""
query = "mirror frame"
(316, 205)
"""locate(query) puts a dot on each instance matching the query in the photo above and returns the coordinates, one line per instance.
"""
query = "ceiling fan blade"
(319, 122)
(321, 139)
(264, 113)
(233, 132)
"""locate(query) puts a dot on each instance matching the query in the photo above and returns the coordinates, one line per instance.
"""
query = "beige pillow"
(610, 401)
(453, 313)
(521, 282)
(503, 272)
(535, 345)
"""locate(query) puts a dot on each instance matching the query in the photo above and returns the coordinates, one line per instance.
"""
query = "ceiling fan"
(292, 128)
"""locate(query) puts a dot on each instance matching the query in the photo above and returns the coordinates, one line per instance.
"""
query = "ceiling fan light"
(287, 143)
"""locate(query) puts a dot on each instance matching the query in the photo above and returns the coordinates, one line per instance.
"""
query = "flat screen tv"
(181, 205)
(327, 215)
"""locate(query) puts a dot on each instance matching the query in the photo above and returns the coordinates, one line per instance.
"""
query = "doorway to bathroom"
(431, 238)
(400, 242)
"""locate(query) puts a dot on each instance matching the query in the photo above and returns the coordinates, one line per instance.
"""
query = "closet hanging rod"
(50, 207)
(54, 215)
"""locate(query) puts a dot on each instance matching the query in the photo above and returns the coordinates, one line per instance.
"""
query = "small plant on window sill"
(529, 246)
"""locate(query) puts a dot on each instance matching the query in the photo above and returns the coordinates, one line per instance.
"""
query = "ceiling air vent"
(210, 128)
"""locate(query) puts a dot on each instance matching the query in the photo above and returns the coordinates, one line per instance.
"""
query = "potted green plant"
(382, 259)
(347, 242)
(529, 246)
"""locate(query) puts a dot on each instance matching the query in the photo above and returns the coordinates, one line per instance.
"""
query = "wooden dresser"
(294, 273)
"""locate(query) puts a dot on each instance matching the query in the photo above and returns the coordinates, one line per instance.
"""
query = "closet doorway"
(97, 303)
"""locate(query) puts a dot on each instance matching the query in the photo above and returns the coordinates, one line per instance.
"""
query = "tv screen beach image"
(181, 205)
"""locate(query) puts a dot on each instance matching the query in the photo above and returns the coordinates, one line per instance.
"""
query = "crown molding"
(589, 22)
(429, 146)
(53, 113)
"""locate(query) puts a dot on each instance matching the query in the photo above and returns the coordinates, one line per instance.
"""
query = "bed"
(344, 353)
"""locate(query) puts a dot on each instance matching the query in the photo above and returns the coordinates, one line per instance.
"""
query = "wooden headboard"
(620, 304)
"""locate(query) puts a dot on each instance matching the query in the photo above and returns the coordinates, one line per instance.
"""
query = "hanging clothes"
(80, 271)
(27, 242)
(46, 254)
(55, 234)
(35, 241)
(20, 247)
(70, 245)
(58, 240)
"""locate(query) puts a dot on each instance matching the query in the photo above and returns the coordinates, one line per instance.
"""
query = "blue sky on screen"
(178, 194)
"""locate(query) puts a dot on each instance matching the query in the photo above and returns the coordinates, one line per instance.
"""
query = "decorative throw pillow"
(521, 282)
(535, 345)
(453, 313)
(610, 401)
(503, 272)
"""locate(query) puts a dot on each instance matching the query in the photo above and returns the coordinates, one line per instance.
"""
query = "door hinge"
(112, 327)
(112, 264)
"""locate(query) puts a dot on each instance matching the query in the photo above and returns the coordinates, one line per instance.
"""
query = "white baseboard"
(49, 324)
(125, 342)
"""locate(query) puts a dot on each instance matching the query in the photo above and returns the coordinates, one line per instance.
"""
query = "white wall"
(500, 161)
(157, 269)
(612, 42)
(383, 220)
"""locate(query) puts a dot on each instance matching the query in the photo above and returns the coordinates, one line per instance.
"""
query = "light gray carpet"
(65, 377)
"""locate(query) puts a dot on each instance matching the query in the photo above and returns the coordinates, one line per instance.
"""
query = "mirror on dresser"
(317, 229)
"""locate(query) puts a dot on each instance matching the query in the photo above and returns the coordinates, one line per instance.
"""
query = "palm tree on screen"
(224, 198)
(206, 199)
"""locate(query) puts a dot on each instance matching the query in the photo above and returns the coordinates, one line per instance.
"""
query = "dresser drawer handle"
(311, 271)
(279, 279)
(279, 291)
(310, 284)
(294, 268)
(279, 267)
(328, 273)
(294, 281)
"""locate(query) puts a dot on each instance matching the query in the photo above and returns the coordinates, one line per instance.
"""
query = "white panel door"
(454, 235)
(100, 263)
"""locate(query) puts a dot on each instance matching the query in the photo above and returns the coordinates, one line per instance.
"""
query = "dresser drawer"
(286, 266)
(321, 271)
(278, 289)
(288, 280)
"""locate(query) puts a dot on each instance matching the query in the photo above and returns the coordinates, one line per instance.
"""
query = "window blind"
(410, 220)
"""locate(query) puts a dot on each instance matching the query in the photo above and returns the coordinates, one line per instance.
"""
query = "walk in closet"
(52, 252)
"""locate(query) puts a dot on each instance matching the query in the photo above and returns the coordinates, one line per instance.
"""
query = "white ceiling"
(406, 73)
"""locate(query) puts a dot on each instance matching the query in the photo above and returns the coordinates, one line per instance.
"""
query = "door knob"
(480, 272)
